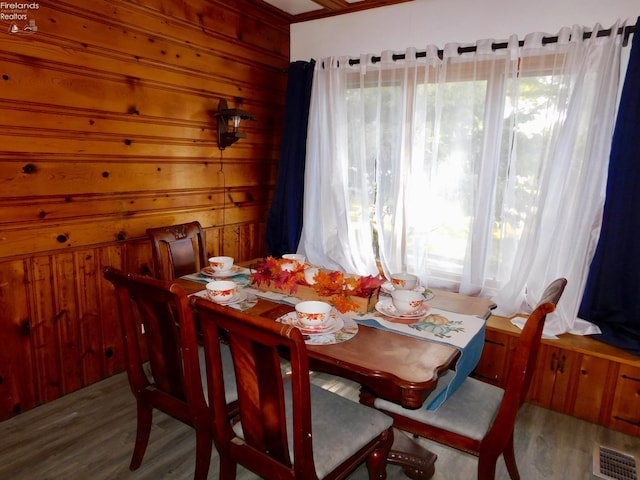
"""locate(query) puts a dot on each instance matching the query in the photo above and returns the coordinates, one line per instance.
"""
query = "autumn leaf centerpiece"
(343, 291)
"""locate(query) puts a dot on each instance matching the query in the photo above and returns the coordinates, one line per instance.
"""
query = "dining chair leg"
(143, 430)
(510, 460)
(377, 461)
(227, 468)
(487, 467)
(204, 446)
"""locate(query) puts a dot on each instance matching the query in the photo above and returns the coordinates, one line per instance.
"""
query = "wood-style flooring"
(90, 434)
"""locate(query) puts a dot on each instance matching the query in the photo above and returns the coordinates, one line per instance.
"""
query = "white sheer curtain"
(482, 172)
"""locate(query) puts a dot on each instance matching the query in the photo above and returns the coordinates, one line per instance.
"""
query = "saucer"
(209, 272)
(387, 287)
(348, 330)
(332, 325)
(386, 308)
(237, 297)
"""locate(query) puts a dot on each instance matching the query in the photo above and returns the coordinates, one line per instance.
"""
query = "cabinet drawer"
(625, 412)
(493, 366)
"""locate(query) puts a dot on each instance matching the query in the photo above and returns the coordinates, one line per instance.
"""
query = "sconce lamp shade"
(228, 123)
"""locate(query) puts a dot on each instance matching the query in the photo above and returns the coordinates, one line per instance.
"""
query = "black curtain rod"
(626, 31)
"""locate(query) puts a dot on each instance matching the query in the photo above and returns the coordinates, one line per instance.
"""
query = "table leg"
(417, 462)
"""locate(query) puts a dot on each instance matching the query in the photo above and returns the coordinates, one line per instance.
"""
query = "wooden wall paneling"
(137, 257)
(141, 27)
(245, 242)
(108, 321)
(17, 386)
(125, 136)
(213, 240)
(49, 209)
(87, 279)
(106, 127)
(91, 179)
(222, 51)
(19, 240)
(253, 240)
(231, 242)
(42, 330)
(80, 87)
(71, 124)
(65, 322)
(129, 109)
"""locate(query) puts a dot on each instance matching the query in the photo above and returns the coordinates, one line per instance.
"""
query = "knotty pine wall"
(106, 129)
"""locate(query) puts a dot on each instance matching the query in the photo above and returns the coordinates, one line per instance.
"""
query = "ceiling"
(302, 10)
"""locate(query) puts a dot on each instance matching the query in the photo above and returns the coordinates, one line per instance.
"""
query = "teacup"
(313, 313)
(221, 291)
(404, 281)
(309, 275)
(296, 257)
(221, 264)
(292, 261)
(406, 301)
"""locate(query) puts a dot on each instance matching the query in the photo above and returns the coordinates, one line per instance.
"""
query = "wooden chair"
(479, 418)
(177, 250)
(156, 319)
(328, 435)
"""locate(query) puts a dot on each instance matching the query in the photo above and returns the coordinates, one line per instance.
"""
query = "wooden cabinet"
(571, 382)
(576, 375)
(625, 411)
(496, 358)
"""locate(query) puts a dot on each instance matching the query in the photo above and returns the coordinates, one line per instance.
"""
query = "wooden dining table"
(398, 368)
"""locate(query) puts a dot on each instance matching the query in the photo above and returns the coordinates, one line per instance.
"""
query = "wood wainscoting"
(59, 323)
(107, 129)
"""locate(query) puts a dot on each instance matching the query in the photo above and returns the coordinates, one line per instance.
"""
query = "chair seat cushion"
(469, 411)
(340, 427)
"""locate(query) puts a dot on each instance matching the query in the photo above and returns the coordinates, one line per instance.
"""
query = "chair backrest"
(177, 250)
(157, 323)
(255, 343)
(523, 364)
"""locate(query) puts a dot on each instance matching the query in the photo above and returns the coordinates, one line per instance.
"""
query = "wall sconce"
(228, 123)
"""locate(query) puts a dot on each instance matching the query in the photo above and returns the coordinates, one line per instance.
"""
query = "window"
(480, 172)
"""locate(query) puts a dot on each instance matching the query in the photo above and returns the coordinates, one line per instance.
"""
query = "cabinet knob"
(561, 364)
(554, 362)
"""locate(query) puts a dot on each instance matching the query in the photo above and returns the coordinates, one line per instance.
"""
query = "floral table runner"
(465, 332)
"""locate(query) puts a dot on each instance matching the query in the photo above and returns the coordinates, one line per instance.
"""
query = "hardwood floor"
(89, 434)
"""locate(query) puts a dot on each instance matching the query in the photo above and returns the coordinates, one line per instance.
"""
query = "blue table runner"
(464, 332)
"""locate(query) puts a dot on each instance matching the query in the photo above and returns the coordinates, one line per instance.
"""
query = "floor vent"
(614, 465)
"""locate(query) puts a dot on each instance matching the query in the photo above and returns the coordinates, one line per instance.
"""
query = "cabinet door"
(591, 380)
(625, 413)
(570, 382)
(550, 361)
(493, 366)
